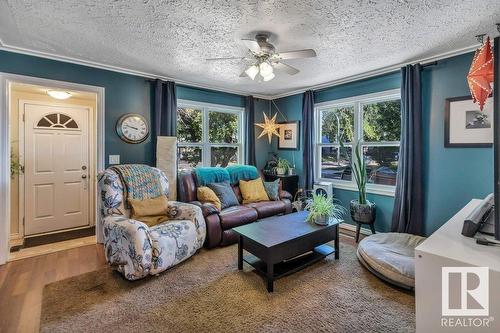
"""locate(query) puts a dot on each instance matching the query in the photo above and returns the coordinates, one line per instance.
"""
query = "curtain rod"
(433, 63)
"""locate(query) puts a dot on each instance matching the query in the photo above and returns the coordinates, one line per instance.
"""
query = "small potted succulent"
(282, 166)
(362, 210)
(322, 208)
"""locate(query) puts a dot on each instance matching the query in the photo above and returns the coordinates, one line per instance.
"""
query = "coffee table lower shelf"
(291, 265)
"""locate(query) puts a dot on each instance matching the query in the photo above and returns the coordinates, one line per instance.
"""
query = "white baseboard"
(352, 228)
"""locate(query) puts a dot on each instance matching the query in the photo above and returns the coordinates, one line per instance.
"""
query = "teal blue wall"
(123, 94)
(452, 176)
(209, 96)
(362, 87)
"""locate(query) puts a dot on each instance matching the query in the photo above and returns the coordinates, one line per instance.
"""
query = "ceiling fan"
(266, 59)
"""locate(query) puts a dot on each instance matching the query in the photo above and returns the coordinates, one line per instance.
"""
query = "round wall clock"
(132, 128)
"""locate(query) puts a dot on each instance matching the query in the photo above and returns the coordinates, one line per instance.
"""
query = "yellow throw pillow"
(253, 191)
(207, 195)
(150, 211)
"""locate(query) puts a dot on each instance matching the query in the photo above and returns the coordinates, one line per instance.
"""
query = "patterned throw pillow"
(272, 189)
(207, 195)
(253, 191)
(225, 194)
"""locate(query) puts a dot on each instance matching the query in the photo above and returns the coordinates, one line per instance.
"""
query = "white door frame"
(6, 80)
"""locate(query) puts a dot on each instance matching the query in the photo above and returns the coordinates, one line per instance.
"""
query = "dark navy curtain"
(250, 131)
(308, 135)
(408, 212)
(165, 108)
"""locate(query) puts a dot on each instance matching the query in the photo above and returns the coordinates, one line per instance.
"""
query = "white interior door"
(56, 157)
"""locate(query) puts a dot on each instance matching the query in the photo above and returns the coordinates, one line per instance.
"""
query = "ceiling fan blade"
(285, 68)
(298, 54)
(225, 58)
(252, 45)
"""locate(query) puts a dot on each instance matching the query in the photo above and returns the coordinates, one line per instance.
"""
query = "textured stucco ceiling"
(173, 38)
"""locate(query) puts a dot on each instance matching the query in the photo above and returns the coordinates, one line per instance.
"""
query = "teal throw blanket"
(239, 172)
(209, 175)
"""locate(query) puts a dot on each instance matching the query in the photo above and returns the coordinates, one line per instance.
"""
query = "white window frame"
(357, 102)
(205, 145)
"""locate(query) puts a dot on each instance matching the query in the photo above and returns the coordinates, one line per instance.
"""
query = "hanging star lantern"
(481, 74)
(269, 127)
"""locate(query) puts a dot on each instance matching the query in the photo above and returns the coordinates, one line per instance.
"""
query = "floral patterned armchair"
(137, 250)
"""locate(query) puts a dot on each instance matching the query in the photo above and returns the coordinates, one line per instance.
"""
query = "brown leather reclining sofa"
(220, 223)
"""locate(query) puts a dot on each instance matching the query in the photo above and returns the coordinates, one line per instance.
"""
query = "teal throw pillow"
(225, 193)
(272, 189)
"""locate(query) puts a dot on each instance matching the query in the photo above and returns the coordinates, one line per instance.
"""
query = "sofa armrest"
(127, 246)
(285, 195)
(186, 211)
(212, 222)
(214, 231)
(206, 208)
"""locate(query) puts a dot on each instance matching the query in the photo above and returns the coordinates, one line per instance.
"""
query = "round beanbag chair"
(390, 256)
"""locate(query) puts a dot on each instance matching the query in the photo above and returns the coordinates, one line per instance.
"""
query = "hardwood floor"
(22, 282)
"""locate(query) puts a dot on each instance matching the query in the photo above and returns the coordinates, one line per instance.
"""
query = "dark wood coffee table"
(285, 244)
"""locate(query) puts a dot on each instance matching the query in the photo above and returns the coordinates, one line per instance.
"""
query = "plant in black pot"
(362, 210)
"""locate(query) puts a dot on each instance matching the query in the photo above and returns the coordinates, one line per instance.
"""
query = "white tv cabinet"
(448, 248)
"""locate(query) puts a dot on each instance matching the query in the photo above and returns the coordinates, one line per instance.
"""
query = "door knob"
(84, 176)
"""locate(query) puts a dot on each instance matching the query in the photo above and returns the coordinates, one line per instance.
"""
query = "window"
(57, 120)
(209, 135)
(373, 121)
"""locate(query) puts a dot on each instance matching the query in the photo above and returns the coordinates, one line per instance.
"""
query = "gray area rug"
(208, 294)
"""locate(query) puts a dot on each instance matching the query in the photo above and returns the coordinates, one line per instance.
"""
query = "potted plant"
(282, 166)
(15, 167)
(362, 210)
(322, 208)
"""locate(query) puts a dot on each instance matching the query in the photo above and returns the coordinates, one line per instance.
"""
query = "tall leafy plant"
(359, 170)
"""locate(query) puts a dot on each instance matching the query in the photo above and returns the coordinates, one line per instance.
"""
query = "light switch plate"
(114, 159)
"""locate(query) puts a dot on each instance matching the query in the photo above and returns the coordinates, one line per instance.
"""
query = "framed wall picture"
(289, 135)
(465, 126)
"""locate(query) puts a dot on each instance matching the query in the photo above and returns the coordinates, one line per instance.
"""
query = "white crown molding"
(356, 77)
(88, 63)
(380, 71)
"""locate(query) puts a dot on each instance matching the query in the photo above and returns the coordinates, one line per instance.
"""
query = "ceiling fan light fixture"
(269, 77)
(265, 69)
(252, 71)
